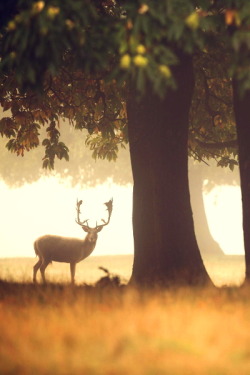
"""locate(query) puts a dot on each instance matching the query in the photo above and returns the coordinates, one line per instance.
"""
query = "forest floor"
(111, 329)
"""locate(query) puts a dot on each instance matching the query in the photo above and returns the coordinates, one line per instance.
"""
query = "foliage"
(86, 103)
(81, 169)
(212, 124)
(74, 60)
(86, 30)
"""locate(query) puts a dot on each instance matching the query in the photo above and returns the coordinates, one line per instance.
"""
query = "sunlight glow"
(48, 206)
(224, 212)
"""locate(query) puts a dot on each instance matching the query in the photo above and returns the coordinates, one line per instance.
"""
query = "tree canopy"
(73, 60)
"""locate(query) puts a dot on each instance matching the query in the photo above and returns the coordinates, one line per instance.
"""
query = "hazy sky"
(48, 207)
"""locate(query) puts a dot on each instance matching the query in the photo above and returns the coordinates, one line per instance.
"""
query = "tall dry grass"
(59, 329)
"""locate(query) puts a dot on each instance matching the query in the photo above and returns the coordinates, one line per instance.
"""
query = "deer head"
(92, 232)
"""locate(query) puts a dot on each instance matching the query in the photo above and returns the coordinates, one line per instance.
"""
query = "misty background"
(35, 202)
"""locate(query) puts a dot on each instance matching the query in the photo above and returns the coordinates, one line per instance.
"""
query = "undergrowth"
(109, 328)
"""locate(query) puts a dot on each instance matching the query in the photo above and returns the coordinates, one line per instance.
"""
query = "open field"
(224, 270)
(112, 330)
(87, 271)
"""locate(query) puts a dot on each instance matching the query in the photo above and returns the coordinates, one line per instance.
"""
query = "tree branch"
(216, 145)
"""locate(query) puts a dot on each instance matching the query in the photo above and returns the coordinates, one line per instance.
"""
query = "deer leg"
(43, 267)
(72, 271)
(36, 268)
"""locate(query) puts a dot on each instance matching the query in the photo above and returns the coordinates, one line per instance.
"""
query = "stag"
(65, 249)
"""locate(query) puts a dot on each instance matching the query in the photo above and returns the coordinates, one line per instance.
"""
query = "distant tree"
(88, 62)
(203, 178)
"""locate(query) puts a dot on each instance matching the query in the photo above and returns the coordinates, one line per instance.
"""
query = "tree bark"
(242, 118)
(165, 246)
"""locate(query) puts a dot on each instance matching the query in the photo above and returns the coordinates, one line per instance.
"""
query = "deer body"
(66, 249)
(63, 249)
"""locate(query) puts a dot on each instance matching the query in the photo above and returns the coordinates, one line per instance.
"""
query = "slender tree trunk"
(208, 246)
(166, 250)
(242, 117)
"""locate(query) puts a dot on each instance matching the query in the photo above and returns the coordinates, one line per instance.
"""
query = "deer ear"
(85, 229)
(99, 230)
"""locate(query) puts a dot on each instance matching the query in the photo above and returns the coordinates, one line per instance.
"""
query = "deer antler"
(109, 205)
(78, 221)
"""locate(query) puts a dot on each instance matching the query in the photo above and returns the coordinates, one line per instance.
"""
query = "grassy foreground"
(59, 329)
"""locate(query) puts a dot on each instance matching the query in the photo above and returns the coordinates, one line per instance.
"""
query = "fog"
(34, 202)
(49, 206)
(224, 213)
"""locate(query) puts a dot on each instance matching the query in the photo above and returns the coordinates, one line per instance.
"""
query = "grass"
(59, 329)
(108, 329)
(224, 270)
(20, 269)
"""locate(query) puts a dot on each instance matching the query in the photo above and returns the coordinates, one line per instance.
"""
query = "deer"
(66, 249)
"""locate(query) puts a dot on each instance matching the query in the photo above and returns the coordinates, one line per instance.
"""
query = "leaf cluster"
(212, 124)
(74, 60)
(38, 37)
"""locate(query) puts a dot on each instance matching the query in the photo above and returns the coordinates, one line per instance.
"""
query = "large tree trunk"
(166, 250)
(242, 117)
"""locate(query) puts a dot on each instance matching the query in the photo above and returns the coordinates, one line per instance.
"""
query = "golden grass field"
(86, 330)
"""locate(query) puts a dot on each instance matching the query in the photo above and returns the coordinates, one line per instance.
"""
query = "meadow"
(112, 329)
(223, 270)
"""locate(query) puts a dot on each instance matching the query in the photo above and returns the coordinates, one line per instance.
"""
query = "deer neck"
(88, 245)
